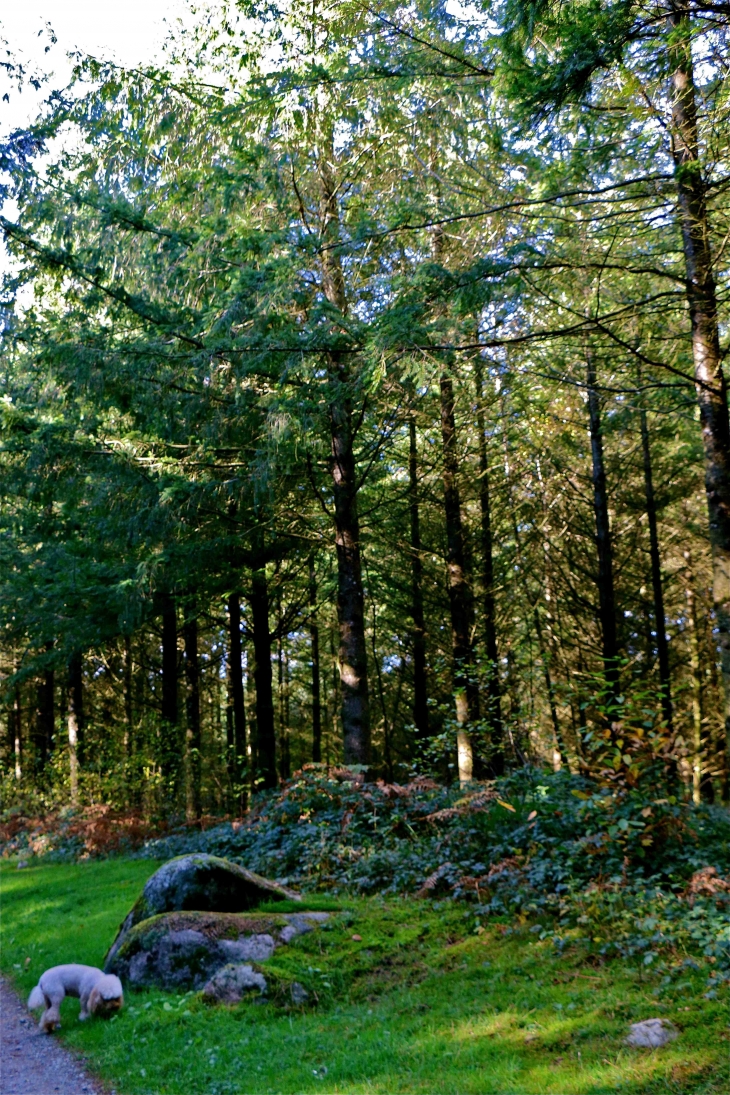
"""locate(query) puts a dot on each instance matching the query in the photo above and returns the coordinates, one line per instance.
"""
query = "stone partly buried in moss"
(232, 982)
(201, 882)
(185, 950)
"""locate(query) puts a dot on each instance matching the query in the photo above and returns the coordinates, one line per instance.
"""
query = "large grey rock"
(651, 1034)
(232, 982)
(203, 883)
(183, 950)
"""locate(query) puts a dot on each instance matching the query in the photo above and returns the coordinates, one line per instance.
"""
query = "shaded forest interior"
(363, 403)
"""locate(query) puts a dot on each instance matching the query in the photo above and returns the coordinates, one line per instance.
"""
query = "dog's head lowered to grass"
(106, 997)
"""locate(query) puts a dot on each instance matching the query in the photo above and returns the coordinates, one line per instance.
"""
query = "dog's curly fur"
(100, 993)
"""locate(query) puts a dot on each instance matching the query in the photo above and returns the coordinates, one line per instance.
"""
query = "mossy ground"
(421, 1003)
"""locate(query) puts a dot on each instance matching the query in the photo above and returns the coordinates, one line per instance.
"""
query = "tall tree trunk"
(694, 662)
(494, 698)
(656, 577)
(465, 692)
(75, 721)
(282, 696)
(265, 730)
(550, 688)
(17, 733)
(45, 716)
(606, 590)
(350, 596)
(192, 676)
(710, 381)
(237, 740)
(129, 697)
(314, 646)
(170, 744)
(420, 684)
(76, 699)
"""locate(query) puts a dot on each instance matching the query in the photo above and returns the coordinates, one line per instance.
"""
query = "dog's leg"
(51, 1017)
(84, 1013)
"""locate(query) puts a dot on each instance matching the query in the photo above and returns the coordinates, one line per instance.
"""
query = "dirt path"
(32, 1063)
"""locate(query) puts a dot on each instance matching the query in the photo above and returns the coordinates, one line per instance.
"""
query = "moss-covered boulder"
(183, 950)
(203, 883)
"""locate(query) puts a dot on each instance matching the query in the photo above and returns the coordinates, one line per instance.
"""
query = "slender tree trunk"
(265, 729)
(282, 689)
(694, 662)
(336, 686)
(550, 688)
(17, 724)
(656, 577)
(711, 386)
(45, 716)
(494, 697)
(420, 684)
(237, 738)
(387, 754)
(171, 746)
(76, 699)
(75, 722)
(606, 590)
(350, 596)
(129, 697)
(465, 692)
(192, 675)
(314, 642)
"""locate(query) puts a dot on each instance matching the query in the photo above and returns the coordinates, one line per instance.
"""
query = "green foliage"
(608, 866)
(421, 994)
(321, 832)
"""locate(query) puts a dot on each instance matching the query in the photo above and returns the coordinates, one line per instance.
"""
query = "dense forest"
(363, 403)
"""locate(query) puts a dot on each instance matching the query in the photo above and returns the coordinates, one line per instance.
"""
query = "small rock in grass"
(299, 994)
(357, 938)
(231, 983)
(651, 1034)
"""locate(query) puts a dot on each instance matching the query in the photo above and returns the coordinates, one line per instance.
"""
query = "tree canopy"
(363, 402)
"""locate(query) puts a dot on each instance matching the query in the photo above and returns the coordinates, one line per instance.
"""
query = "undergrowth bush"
(611, 865)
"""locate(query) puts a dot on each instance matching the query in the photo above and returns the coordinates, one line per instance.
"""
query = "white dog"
(100, 993)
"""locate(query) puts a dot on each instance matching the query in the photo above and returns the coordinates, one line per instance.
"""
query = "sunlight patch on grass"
(419, 1005)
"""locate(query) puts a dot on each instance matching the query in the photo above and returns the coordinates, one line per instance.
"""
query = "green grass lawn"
(421, 1003)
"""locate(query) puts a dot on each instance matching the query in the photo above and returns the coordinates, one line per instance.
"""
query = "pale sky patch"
(130, 32)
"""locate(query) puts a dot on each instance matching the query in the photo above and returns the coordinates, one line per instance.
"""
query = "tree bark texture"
(76, 699)
(237, 742)
(192, 677)
(171, 745)
(17, 733)
(701, 292)
(44, 717)
(550, 688)
(75, 722)
(350, 596)
(460, 604)
(494, 696)
(283, 698)
(129, 696)
(656, 577)
(265, 730)
(316, 669)
(604, 547)
(694, 662)
(420, 683)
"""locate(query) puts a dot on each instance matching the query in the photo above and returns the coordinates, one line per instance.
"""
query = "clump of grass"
(426, 999)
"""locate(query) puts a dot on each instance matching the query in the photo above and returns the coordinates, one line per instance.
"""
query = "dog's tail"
(36, 998)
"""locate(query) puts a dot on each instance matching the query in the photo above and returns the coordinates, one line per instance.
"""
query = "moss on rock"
(199, 882)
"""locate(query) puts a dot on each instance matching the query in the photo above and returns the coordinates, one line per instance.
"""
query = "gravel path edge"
(33, 1063)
